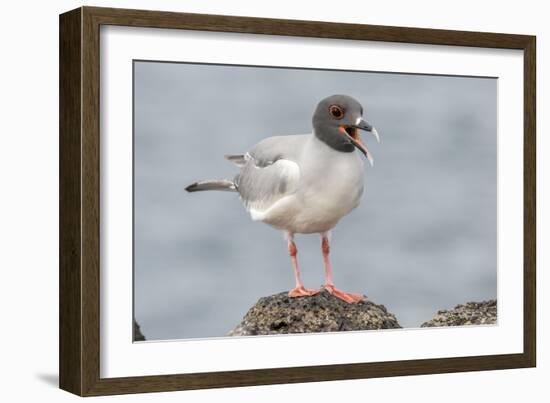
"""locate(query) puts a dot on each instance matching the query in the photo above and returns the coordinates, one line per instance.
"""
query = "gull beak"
(352, 133)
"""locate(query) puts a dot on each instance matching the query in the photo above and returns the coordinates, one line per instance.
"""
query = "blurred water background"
(423, 238)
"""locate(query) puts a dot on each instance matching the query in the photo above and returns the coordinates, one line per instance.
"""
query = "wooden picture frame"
(79, 278)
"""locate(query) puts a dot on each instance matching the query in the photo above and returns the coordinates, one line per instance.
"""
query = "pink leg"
(329, 284)
(299, 290)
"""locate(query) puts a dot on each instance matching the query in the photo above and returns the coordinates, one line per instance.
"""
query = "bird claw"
(301, 292)
(350, 298)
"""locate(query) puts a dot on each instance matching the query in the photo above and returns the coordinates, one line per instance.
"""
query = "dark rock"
(470, 313)
(280, 314)
(138, 336)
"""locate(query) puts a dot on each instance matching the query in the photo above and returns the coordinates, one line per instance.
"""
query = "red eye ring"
(336, 111)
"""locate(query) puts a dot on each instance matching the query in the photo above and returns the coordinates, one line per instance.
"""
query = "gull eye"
(336, 111)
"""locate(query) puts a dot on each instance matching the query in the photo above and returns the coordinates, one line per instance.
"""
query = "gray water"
(423, 238)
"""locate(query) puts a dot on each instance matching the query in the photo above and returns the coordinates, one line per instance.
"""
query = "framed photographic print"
(200, 153)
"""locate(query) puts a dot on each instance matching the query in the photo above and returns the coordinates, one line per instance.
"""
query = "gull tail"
(212, 184)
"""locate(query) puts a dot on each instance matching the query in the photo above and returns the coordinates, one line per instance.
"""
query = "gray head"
(337, 121)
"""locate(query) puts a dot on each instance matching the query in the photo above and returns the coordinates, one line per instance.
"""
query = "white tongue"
(373, 131)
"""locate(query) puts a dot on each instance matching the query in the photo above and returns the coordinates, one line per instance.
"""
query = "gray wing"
(269, 172)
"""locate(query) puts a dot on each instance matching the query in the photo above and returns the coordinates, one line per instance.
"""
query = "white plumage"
(322, 185)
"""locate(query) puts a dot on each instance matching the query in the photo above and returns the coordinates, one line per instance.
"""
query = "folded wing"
(269, 172)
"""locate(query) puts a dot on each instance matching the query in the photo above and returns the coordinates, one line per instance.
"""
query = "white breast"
(331, 185)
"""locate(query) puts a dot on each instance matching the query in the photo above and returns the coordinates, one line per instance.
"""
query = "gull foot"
(301, 292)
(348, 297)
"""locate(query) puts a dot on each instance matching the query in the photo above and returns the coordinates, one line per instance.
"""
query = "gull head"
(337, 121)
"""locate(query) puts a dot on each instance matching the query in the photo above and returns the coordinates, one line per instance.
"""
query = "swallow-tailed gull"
(305, 183)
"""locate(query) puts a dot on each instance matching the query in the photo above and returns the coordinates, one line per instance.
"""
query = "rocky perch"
(138, 336)
(470, 313)
(280, 314)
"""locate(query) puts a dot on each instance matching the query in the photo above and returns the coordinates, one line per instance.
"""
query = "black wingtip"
(192, 187)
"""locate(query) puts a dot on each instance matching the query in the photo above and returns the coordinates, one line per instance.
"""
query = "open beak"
(352, 133)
